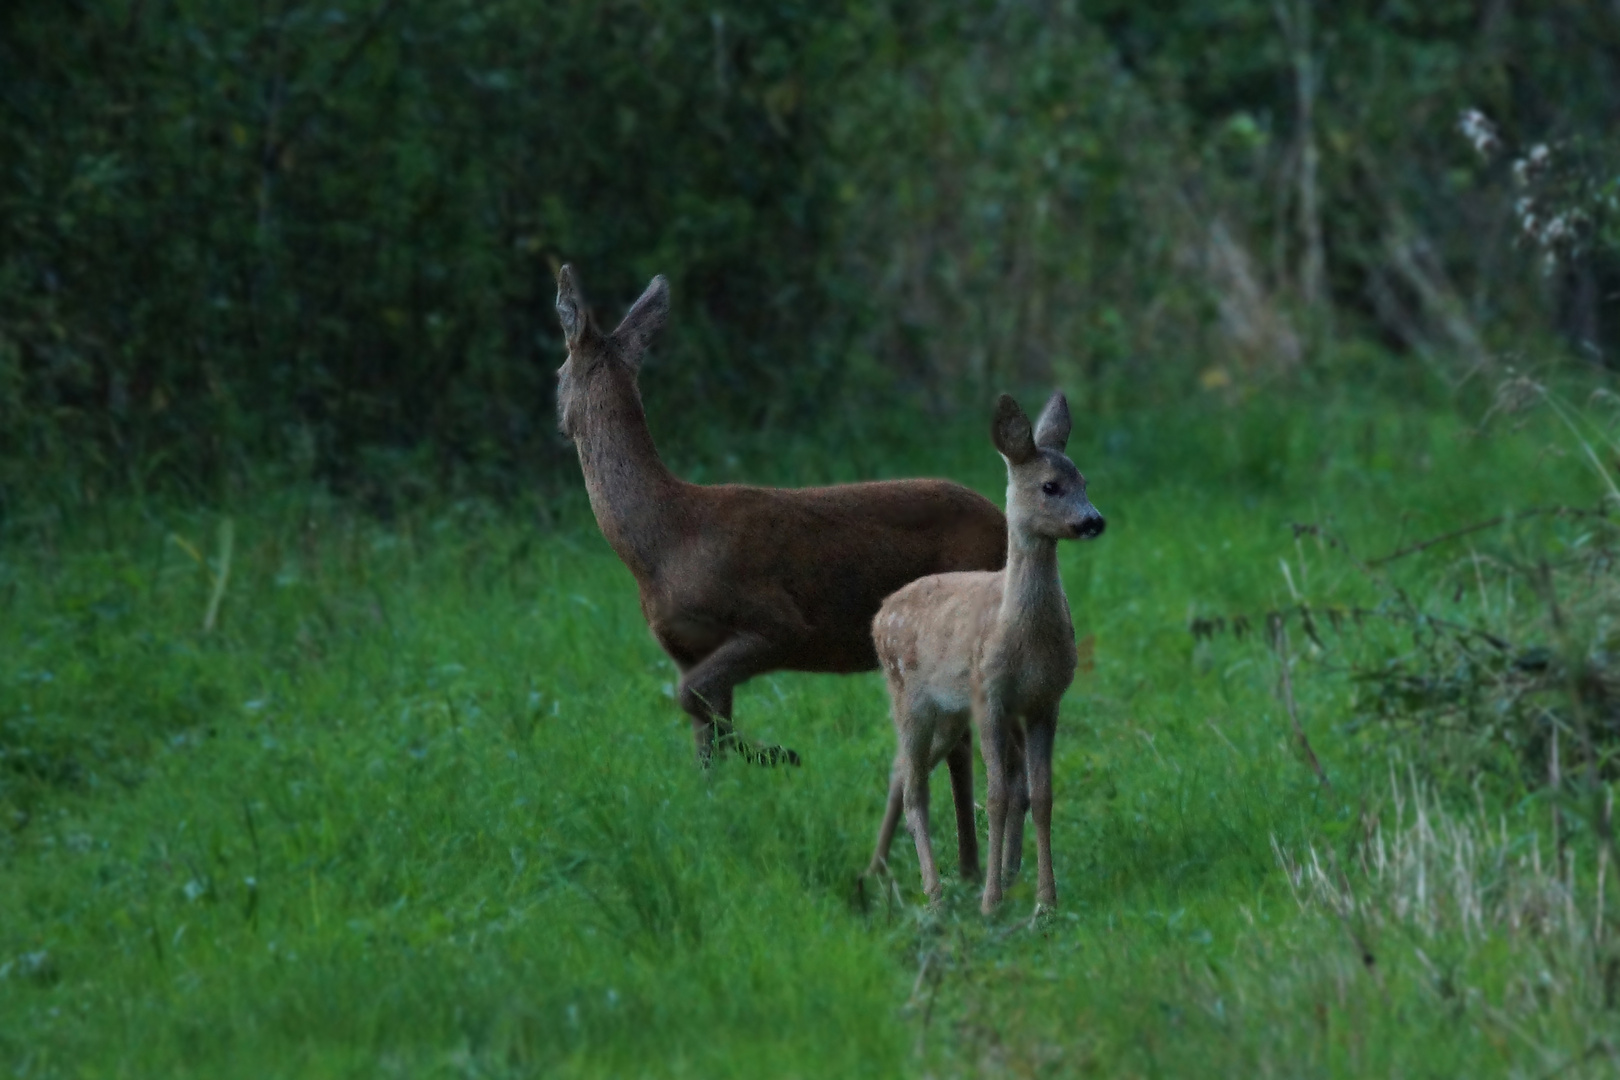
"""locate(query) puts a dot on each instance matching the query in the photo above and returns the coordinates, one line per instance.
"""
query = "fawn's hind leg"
(891, 819)
(915, 774)
(960, 763)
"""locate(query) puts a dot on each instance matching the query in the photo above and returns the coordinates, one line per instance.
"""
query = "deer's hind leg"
(960, 763)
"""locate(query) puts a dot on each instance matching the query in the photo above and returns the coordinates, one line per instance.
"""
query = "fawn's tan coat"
(992, 651)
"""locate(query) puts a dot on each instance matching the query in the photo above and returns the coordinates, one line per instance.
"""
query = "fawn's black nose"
(1091, 528)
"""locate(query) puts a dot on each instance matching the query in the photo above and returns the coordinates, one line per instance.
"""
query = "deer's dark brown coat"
(736, 581)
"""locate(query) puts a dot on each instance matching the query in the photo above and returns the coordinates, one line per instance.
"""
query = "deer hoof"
(775, 755)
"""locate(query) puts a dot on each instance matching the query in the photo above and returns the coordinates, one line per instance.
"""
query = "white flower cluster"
(1547, 230)
(1479, 131)
(1530, 166)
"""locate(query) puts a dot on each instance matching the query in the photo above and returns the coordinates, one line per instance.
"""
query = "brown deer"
(736, 581)
(992, 651)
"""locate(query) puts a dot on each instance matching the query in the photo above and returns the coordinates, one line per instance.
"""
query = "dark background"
(242, 240)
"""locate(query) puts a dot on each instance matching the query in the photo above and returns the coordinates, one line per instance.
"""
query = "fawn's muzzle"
(1090, 528)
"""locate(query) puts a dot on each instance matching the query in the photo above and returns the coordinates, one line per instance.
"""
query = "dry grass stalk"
(1438, 872)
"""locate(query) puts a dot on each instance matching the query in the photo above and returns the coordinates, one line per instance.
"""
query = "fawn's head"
(1046, 495)
(593, 354)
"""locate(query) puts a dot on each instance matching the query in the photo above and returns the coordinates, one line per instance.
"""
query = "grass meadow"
(287, 790)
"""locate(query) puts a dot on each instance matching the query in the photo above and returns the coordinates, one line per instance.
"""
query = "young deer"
(737, 581)
(989, 650)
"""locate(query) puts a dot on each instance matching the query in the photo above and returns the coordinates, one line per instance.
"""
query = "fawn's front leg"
(993, 746)
(1012, 856)
(1042, 733)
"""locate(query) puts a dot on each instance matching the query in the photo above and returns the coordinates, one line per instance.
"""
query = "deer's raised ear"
(1052, 429)
(571, 311)
(1010, 431)
(643, 320)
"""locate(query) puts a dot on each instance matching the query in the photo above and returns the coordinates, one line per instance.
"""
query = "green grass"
(421, 803)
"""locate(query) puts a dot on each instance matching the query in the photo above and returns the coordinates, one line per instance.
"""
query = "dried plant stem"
(1554, 778)
(1603, 871)
(222, 576)
(1296, 27)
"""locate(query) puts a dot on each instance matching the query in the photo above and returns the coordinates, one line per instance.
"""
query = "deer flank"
(736, 581)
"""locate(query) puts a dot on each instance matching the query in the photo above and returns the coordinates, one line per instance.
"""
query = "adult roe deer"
(988, 650)
(736, 581)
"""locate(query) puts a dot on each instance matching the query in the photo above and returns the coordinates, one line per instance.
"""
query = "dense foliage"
(323, 236)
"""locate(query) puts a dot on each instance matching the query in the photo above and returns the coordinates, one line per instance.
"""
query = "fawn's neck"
(633, 494)
(1034, 589)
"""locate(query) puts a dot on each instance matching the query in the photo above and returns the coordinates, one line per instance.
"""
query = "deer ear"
(1010, 431)
(643, 320)
(571, 311)
(1052, 429)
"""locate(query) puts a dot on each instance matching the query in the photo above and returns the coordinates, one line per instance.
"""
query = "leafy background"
(320, 239)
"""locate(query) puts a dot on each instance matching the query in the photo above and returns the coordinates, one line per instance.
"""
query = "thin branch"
(1500, 519)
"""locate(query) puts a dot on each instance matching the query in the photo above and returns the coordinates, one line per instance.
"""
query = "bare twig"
(1501, 519)
(1239, 625)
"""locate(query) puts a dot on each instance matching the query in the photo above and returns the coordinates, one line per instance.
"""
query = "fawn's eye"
(1051, 487)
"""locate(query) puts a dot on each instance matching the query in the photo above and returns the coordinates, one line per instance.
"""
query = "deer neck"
(1034, 589)
(633, 494)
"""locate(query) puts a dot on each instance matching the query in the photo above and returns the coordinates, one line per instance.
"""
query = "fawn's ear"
(1010, 431)
(643, 321)
(1052, 429)
(571, 310)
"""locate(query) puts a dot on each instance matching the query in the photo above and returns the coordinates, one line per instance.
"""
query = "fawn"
(736, 581)
(991, 650)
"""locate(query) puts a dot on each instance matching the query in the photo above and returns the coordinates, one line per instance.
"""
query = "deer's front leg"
(706, 694)
(960, 763)
(1042, 734)
(1012, 856)
(711, 720)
